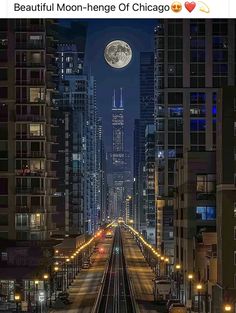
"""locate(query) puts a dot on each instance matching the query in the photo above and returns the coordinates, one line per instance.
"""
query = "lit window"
(36, 37)
(35, 220)
(36, 130)
(206, 183)
(37, 94)
(234, 209)
(206, 213)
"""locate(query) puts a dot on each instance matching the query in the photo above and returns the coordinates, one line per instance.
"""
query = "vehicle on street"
(86, 265)
(178, 308)
(108, 234)
(162, 290)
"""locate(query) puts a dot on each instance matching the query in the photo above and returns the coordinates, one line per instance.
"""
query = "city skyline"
(80, 229)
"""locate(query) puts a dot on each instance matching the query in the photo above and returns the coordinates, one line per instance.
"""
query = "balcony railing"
(30, 64)
(30, 118)
(27, 101)
(30, 45)
(20, 136)
(27, 191)
(32, 154)
(29, 227)
(31, 209)
(31, 82)
(31, 173)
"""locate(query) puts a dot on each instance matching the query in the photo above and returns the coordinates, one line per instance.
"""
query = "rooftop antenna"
(114, 99)
(121, 97)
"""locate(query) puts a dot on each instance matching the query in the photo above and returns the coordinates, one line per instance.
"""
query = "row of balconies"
(30, 118)
(30, 45)
(31, 82)
(29, 64)
(35, 154)
(35, 190)
(35, 209)
(23, 136)
(36, 172)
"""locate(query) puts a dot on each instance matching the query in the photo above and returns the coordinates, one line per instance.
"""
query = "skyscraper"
(119, 160)
(77, 120)
(225, 290)
(118, 134)
(146, 117)
(193, 58)
(27, 86)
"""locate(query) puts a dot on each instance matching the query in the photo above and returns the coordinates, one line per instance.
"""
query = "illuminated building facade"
(193, 58)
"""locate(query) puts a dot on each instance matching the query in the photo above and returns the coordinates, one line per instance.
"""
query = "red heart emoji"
(190, 6)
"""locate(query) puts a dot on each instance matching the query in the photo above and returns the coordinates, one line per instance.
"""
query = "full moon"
(118, 54)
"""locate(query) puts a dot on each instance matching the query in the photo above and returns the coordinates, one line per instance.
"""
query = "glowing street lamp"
(190, 278)
(178, 267)
(17, 300)
(199, 288)
(227, 308)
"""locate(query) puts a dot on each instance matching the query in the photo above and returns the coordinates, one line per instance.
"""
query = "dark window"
(3, 165)
(220, 28)
(3, 74)
(220, 56)
(4, 234)
(220, 42)
(3, 92)
(197, 56)
(3, 201)
(3, 132)
(3, 112)
(197, 28)
(197, 43)
(3, 186)
(3, 219)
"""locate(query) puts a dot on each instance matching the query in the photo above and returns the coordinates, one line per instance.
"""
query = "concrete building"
(26, 89)
(146, 116)
(149, 189)
(225, 290)
(192, 59)
(119, 167)
(195, 223)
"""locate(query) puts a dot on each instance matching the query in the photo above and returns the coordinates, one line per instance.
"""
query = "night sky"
(139, 35)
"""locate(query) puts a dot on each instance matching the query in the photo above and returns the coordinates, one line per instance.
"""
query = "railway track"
(116, 295)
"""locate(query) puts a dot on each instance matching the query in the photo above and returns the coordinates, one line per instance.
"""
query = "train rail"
(116, 295)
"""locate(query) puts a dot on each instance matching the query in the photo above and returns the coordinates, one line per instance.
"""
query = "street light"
(45, 277)
(67, 272)
(227, 308)
(178, 267)
(190, 278)
(167, 266)
(199, 288)
(17, 300)
(36, 283)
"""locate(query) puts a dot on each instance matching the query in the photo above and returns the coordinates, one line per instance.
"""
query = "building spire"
(114, 99)
(121, 97)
